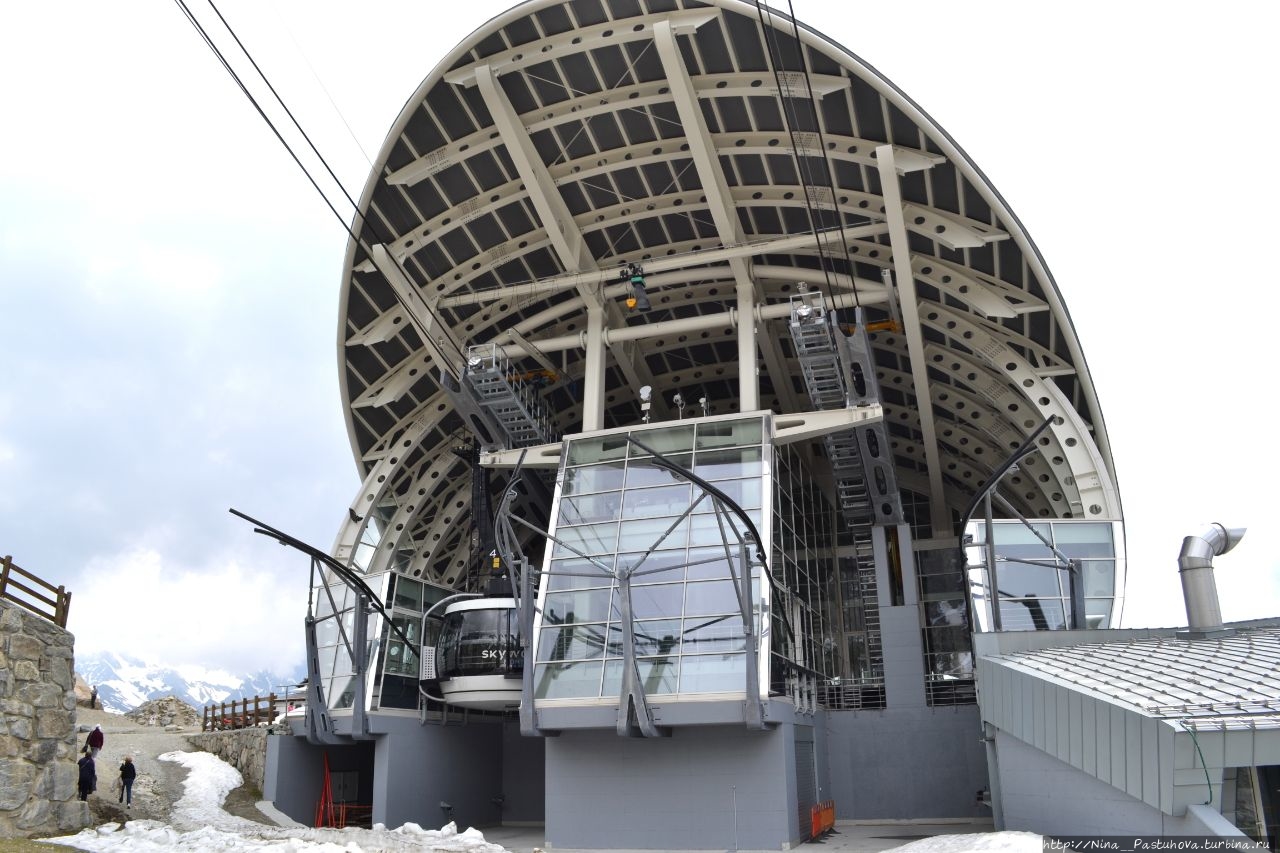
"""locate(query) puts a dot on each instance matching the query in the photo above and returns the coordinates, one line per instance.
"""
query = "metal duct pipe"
(1195, 565)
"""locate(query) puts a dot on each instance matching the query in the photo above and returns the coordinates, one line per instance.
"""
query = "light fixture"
(679, 403)
(646, 398)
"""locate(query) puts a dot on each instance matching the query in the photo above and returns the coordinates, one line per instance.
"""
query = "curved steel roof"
(566, 137)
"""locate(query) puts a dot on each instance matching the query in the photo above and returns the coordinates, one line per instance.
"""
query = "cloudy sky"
(169, 280)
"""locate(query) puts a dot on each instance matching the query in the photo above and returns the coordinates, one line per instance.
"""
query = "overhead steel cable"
(803, 167)
(287, 111)
(774, 61)
(822, 146)
(443, 327)
(261, 112)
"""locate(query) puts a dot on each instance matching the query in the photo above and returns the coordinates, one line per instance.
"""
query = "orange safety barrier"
(822, 819)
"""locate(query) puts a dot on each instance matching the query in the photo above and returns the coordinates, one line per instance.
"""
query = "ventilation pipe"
(1195, 565)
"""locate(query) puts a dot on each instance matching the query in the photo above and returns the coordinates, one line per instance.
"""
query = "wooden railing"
(34, 598)
(240, 714)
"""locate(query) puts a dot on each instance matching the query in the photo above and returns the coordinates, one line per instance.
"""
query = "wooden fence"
(35, 598)
(240, 714)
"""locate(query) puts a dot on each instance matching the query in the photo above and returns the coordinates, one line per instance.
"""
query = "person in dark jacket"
(88, 775)
(95, 740)
(127, 774)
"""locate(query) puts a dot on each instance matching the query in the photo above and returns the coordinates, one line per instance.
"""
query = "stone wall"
(38, 747)
(243, 749)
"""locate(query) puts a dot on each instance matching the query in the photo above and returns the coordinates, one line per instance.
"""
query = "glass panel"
(1097, 612)
(587, 509)
(342, 688)
(408, 594)
(571, 642)
(1084, 540)
(326, 657)
(643, 534)
(1019, 580)
(724, 464)
(587, 539)
(662, 500)
(586, 451)
(655, 637)
(659, 567)
(944, 612)
(716, 565)
(327, 632)
(709, 597)
(643, 472)
(567, 680)
(657, 601)
(1099, 578)
(1033, 614)
(597, 478)
(714, 634)
(585, 574)
(433, 595)
(730, 433)
(575, 607)
(706, 529)
(657, 675)
(1015, 540)
(713, 673)
(745, 493)
(664, 441)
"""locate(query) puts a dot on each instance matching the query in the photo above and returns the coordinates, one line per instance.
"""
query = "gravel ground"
(159, 783)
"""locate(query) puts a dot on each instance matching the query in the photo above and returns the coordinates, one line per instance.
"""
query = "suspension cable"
(822, 146)
(803, 168)
(443, 327)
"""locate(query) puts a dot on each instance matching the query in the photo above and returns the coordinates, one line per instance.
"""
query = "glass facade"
(622, 522)
(334, 625)
(1031, 586)
(804, 652)
(399, 665)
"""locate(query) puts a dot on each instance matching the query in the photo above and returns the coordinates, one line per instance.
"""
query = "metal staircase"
(839, 371)
(512, 402)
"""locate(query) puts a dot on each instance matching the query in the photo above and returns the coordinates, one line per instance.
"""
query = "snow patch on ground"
(199, 823)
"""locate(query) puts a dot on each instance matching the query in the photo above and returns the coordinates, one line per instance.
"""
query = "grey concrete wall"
(523, 775)
(38, 746)
(418, 767)
(906, 763)
(293, 777)
(243, 749)
(1040, 793)
(903, 656)
(702, 788)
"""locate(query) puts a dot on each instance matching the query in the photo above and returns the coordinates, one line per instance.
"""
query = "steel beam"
(939, 515)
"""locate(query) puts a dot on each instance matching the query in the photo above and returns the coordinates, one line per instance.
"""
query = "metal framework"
(567, 138)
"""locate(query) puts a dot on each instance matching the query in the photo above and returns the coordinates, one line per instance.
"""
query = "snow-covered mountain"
(125, 683)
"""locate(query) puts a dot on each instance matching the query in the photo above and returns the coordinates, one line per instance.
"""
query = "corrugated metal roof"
(1232, 681)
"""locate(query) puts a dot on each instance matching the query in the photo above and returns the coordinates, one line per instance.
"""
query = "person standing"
(127, 774)
(93, 697)
(94, 741)
(88, 775)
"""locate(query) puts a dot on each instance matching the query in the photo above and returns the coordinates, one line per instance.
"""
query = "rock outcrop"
(167, 712)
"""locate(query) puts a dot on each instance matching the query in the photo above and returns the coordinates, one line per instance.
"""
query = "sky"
(200, 823)
(169, 280)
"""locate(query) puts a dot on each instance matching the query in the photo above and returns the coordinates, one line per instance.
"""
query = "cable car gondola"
(477, 661)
